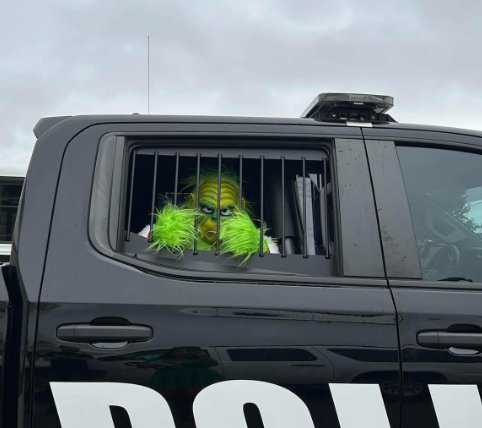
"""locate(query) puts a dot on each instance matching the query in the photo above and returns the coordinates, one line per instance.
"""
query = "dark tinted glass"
(9, 198)
(444, 189)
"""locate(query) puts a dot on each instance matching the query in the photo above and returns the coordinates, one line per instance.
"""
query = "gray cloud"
(233, 58)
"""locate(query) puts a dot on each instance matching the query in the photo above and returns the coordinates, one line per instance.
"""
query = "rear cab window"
(276, 207)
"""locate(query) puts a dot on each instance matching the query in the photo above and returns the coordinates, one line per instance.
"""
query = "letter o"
(222, 404)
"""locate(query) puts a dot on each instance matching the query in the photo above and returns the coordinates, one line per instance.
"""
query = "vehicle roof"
(46, 123)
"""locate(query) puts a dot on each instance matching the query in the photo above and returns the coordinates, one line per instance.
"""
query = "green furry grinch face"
(208, 206)
(238, 234)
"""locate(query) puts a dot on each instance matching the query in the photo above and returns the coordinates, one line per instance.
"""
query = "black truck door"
(306, 338)
(5, 310)
(429, 199)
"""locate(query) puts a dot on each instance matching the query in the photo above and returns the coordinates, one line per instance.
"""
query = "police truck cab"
(189, 271)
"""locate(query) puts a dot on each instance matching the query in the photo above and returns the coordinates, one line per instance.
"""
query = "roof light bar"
(344, 107)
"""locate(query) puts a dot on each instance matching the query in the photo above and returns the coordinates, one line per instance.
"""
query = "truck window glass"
(206, 208)
(444, 189)
(10, 189)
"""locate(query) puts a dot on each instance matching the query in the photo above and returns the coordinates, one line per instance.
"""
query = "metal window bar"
(325, 198)
(240, 203)
(261, 209)
(196, 220)
(283, 214)
(153, 200)
(319, 188)
(305, 239)
(176, 179)
(218, 213)
(129, 216)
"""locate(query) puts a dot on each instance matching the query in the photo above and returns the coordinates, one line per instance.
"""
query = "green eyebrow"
(229, 206)
(206, 204)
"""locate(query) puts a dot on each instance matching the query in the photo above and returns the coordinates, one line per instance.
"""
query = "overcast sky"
(236, 57)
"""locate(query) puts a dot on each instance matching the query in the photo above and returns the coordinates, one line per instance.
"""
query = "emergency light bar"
(340, 107)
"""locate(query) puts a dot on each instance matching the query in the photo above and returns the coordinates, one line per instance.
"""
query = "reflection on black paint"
(181, 373)
(270, 354)
(370, 354)
(418, 409)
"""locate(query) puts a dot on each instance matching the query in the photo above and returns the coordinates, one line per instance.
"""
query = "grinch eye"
(207, 210)
(226, 212)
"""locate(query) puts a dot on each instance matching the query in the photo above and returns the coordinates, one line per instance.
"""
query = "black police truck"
(365, 310)
(10, 189)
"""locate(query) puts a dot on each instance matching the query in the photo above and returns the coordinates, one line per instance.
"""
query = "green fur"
(240, 237)
(174, 229)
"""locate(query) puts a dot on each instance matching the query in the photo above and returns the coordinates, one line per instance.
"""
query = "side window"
(444, 189)
(224, 209)
(10, 189)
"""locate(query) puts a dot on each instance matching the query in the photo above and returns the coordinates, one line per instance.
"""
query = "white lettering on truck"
(456, 405)
(221, 405)
(87, 404)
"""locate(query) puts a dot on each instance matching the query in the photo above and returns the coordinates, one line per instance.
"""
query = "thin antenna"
(148, 76)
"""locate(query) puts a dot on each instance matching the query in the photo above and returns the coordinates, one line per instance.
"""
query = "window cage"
(288, 195)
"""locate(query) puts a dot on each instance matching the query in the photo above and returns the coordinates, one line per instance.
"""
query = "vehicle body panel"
(425, 306)
(4, 329)
(299, 336)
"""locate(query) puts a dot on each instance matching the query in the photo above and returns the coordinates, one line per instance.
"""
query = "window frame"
(9, 180)
(408, 273)
(110, 178)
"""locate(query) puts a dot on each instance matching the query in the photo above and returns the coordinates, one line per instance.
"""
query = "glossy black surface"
(435, 310)
(450, 308)
(299, 336)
